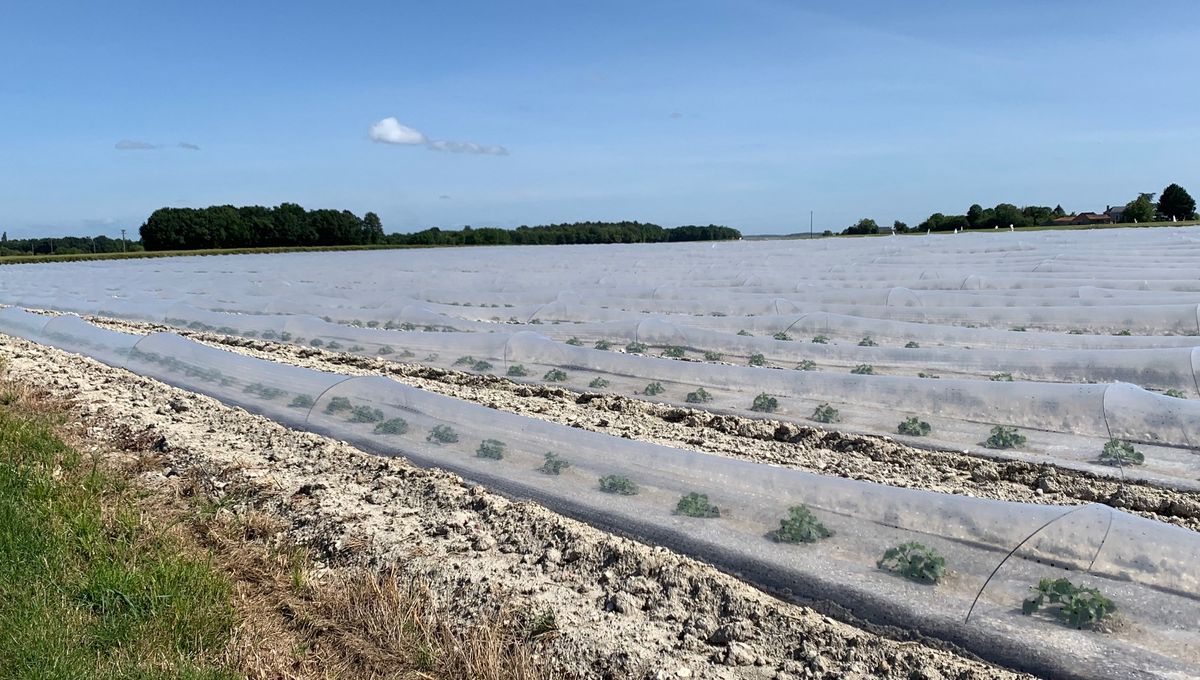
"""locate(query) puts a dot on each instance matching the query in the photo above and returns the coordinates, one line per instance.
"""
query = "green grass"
(142, 254)
(89, 587)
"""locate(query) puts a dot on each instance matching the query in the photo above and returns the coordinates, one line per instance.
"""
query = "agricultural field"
(988, 442)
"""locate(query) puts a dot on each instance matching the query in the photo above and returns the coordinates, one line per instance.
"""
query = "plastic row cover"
(1067, 424)
(994, 550)
(1160, 368)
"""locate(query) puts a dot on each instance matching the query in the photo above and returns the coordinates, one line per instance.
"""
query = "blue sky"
(747, 113)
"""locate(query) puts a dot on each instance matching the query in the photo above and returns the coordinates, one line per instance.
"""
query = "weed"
(392, 426)
(617, 484)
(700, 396)
(544, 625)
(1175, 393)
(1004, 438)
(1078, 607)
(820, 340)
(806, 365)
(302, 401)
(1001, 377)
(710, 355)
(442, 434)
(603, 344)
(490, 448)
(576, 342)
(673, 352)
(915, 562)
(696, 505)
(653, 389)
(782, 336)
(636, 347)
(764, 403)
(868, 342)
(912, 344)
(826, 414)
(758, 360)
(554, 464)
(863, 369)
(914, 427)
(337, 405)
(1120, 453)
(598, 383)
(555, 375)
(800, 526)
(516, 371)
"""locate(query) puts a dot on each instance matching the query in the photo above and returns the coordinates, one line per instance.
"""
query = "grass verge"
(105, 577)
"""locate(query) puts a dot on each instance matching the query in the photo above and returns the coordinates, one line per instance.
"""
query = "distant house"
(1082, 218)
(1116, 213)
(1092, 218)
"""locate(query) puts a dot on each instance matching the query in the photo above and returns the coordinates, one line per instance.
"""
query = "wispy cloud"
(392, 131)
(139, 145)
(444, 197)
(134, 145)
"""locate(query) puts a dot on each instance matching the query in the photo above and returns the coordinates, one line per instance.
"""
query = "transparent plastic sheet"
(995, 550)
(20, 323)
(1064, 424)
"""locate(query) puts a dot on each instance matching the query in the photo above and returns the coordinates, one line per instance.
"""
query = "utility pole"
(810, 223)
(122, 240)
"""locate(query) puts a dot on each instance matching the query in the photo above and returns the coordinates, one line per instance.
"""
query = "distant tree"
(1176, 203)
(4, 237)
(1059, 212)
(899, 227)
(373, 228)
(1140, 209)
(863, 226)
(974, 213)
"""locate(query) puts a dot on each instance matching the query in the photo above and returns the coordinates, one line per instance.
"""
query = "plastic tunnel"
(994, 550)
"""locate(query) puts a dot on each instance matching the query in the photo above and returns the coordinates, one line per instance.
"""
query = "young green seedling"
(826, 414)
(800, 526)
(915, 562)
(696, 505)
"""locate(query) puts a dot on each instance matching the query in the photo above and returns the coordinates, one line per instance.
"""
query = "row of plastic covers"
(1065, 422)
(821, 539)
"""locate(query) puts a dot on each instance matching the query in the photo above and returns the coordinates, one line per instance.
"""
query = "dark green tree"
(1176, 203)
(863, 226)
(1140, 209)
(974, 213)
(373, 228)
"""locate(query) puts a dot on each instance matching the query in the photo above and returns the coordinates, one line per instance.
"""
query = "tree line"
(290, 225)
(563, 234)
(64, 245)
(1173, 204)
(254, 226)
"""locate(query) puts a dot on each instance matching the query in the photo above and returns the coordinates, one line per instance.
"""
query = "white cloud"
(391, 131)
(134, 145)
